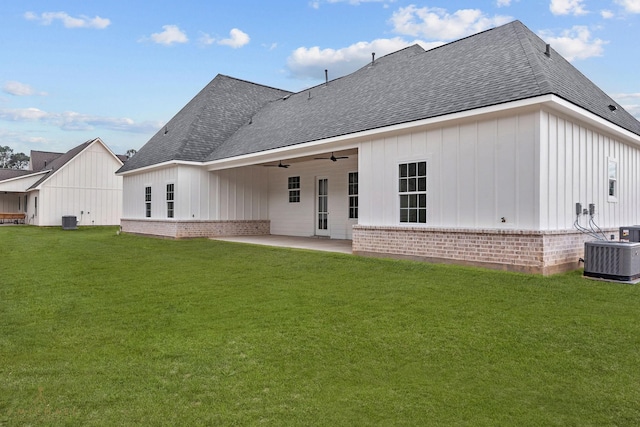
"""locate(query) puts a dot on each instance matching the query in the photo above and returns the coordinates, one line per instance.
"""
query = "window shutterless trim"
(293, 185)
(170, 200)
(147, 202)
(412, 190)
(353, 195)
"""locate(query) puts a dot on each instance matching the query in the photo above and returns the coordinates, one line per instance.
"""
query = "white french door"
(322, 207)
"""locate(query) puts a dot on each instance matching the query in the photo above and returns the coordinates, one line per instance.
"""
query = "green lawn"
(105, 329)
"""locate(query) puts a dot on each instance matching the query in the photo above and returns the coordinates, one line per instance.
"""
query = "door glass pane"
(422, 169)
(422, 184)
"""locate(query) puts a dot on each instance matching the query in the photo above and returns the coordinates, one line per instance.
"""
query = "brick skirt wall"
(539, 252)
(179, 229)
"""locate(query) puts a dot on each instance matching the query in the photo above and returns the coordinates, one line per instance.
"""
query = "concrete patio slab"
(311, 243)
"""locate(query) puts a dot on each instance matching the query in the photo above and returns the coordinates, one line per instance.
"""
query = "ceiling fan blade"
(332, 158)
(279, 165)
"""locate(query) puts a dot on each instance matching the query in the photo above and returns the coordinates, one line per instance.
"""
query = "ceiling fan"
(332, 158)
(279, 165)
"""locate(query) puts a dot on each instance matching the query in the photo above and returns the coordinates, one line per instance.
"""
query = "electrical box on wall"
(630, 233)
(619, 261)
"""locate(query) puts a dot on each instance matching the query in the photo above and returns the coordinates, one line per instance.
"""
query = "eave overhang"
(162, 165)
(350, 141)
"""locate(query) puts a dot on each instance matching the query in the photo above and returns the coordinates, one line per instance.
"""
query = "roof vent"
(612, 107)
(166, 130)
(326, 77)
(373, 57)
(548, 50)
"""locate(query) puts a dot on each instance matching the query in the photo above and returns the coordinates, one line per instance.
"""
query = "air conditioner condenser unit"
(619, 261)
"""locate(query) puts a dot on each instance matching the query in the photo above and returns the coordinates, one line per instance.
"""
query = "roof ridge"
(202, 110)
(544, 84)
(253, 83)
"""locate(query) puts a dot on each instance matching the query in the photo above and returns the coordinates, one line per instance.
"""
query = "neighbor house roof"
(40, 159)
(13, 173)
(504, 64)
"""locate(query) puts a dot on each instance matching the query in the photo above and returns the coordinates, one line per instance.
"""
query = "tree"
(19, 161)
(11, 160)
(5, 156)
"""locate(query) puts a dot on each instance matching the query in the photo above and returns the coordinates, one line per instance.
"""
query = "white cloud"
(632, 6)
(206, 39)
(606, 14)
(171, 35)
(503, 3)
(310, 63)
(438, 24)
(70, 120)
(567, 7)
(237, 39)
(22, 114)
(68, 21)
(575, 43)
(21, 142)
(20, 89)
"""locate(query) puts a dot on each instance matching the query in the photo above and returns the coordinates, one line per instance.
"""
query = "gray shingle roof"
(13, 173)
(40, 159)
(500, 65)
(206, 122)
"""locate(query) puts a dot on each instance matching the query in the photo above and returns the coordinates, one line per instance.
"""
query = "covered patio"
(310, 243)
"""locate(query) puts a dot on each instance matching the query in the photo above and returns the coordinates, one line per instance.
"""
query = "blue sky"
(72, 70)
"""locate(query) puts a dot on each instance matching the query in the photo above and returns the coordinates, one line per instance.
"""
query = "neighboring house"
(81, 183)
(475, 152)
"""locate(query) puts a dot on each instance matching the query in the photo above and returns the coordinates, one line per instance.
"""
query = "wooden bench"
(14, 217)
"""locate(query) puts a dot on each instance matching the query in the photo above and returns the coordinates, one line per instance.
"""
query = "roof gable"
(206, 122)
(60, 161)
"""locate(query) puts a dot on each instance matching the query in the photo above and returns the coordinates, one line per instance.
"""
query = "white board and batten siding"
(528, 168)
(86, 187)
(299, 218)
(190, 191)
(574, 161)
(477, 173)
(240, 194)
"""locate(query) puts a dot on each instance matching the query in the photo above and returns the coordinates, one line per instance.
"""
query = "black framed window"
(294, 189)
(413, 192)
(147, 202)
(170, 200)
(353, 195)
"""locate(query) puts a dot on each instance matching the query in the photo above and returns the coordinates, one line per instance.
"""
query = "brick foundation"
(179, 229)
(539, 252)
